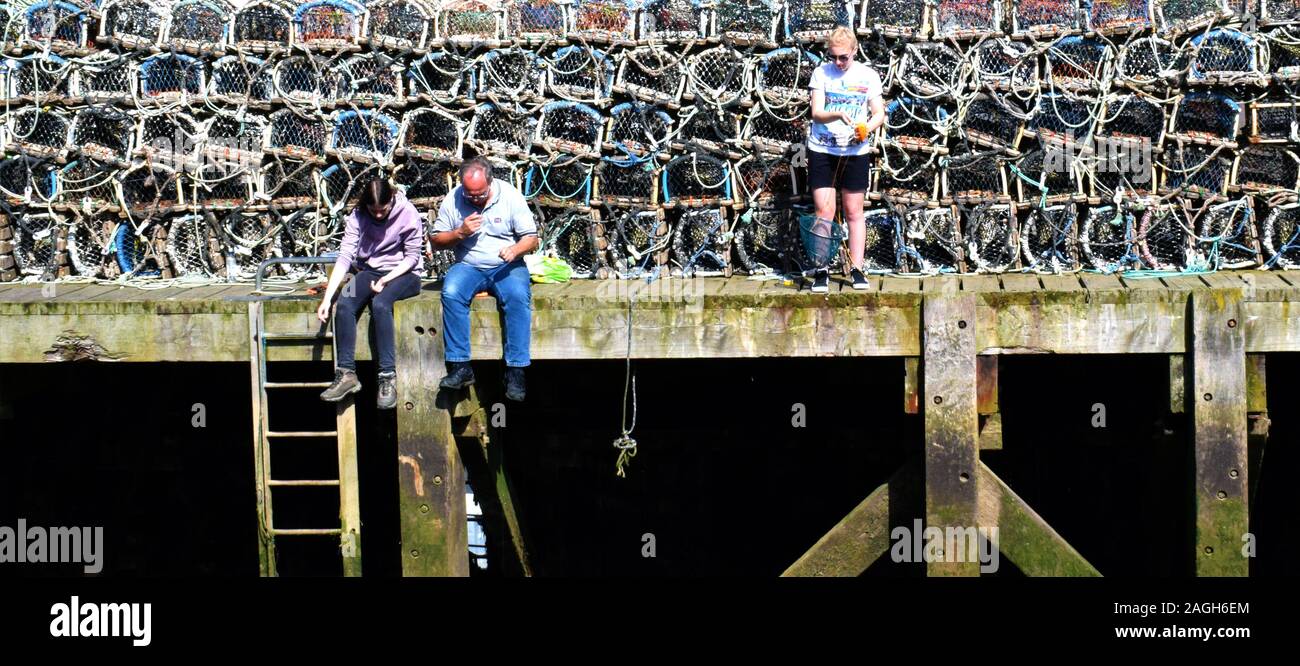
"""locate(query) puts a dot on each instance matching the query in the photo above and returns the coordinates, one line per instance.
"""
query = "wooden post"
(1177, 384)
(911, 385)
(431, 480)
(1219, 419)
(1257, 417)
(261, 454)
(349, 486)
(951, 423)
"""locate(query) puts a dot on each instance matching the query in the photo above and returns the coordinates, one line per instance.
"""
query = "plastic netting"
(930, 69)
(261, 27)
(766, 131)
(1195, 170)
(990, 235)
(289, 184)
(1274, 122)
(439, 77)
(768, 180)
(580, 74)
(501, 130)
(1003, 64)
(426, 183)
(651, 74)
(89, 240)
(576, 237)
(1150, 61)
(328, 24)
(1110, 17)
(1227, 57)
(781, 79)
(1226, 236)
(170, 77)
(638, 241)
(198, 25)
(1279, 11)
(672, 21)
(24, 179)
(636, 129)
(811, 20)
(1048, 175)
(1078, 63)
(133, 23)
(235, 137)
(192, 246)
(904, 176)
(149, 191)
(1283, 48)
(1179, 16)
(701, 242)
(369, 80)
(1064, 118)
(1049, 238)
(166, 137)
(86, 186)
(55, 25)
(966, 19)
(1107, 239)
(40, 79)
(221, 185)
(309, 80)
(1209, 117)
(704, 128)
(745, 22)
(36, 243)
(987, 121)
(1162, 241)
(104, 78)
(241, 80)
(916, 123)
(696, 179)
(882, 242)
(896, 18)
(364, 135)
(512, 74)
(974, 177)
(562, 182)
(39, 132)
(763, 240)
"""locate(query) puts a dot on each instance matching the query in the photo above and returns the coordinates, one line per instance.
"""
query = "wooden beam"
(1023, 536)
(431, 479)
(1219, 420)
(911, 385)
(1258, 423)
(1177, 384)
(485, 460)
(951, 421)
(991, 432)
(986, 369)
(861, 537)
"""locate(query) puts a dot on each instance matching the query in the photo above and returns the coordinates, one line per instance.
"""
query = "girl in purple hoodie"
(382, 247)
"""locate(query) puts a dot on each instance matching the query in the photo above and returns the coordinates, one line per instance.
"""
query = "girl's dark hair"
(377, 192)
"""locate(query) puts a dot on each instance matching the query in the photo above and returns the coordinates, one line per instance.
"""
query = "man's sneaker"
(387, 398)
(459, 375)
(345, 384)
(821, 283)
(859, 280)
(515, 384)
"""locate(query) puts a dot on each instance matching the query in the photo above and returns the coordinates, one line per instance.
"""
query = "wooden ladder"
(344, 434)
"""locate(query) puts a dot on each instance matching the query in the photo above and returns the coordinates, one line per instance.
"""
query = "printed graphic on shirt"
(849, 92)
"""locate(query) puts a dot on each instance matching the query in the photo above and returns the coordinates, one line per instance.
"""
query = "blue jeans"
(509, 284)
(354, 300)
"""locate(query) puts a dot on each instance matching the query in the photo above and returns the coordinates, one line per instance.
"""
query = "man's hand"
(323, 311)
(377, 286)
(471, 225)
(508, 253)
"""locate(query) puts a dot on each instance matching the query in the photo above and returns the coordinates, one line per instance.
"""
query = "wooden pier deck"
(948, 331)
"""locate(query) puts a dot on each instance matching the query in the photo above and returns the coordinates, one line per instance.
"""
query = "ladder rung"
(302, 483)
(297, 384)
(313, 337)
(307, 532)
(322, 433)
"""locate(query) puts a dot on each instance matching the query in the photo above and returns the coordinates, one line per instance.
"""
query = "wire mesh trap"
(38, 242)
(26, 180)
(1281, 237)
(603, 21)
(88, 187)
(235, 137)
(769, 180)
(398, 25)
(639, 241)
(340, 185)
(89, 241)
(370, 80)
(366, 136)
(38, 132)
(1065, 119)
(1042, 19)
(987, 121)
(651, 74)
(719, 76)
(1226, 236)
(966, 19)
(1274, 122)
(896, 18)
(672, 21)
(439, 77)
(627, 182)
(104, 77)
(199, 26)
(766, 131)
(1162, 242)
(169, 138)
(930, 69)
(151, 190)
(1115, 17)
(1283, 44)
(193, 248)
(1129, 135)
(903, 177)
(103, 133)
(1150, 61)
(578, 238)
(1176, 17)
(1049, 174)
(133, 24)
(812, 20)
(1277, 12)
(54, 25)
(289, 184)
(931, 241)
(426, 183)
(241, 81)
(570, 127)
(1049, 239)
(308, 234)
(1194, 170)
(308, 80)
(500, 130)
(250, 239)
(298, 136)
(1207, 117)
(537, 20)
(696, 179)
(747, 22)
(701, 244)
(328, 24)
(916, 124)
(882, 242)
(635, 129)
(514, 74)
(706, 129)
(782, 77)
(471, 22)
(263, 26)
(562, 182)
(39, 79)
(431, 134)
(991, 242)
(1228, 57)
(220, 185)
(764, 239)
(169, 78)
(1266, 170)
(1002, 64)
(579, 74)
(1106, 239)
(971, 177)
(1081, 64)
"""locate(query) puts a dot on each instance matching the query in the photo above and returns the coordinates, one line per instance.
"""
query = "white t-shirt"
(850, 91)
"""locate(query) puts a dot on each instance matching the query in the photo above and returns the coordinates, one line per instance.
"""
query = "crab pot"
(1049, 238)
(570, 127)
(564, 182)
(497, 130)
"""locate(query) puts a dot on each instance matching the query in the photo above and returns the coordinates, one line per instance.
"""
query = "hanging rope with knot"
(625, 444)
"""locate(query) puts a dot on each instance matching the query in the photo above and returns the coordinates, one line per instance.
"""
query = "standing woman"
(382, 244)
(847, 106)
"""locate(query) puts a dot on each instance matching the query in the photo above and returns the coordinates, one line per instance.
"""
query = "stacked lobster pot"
(196, 138)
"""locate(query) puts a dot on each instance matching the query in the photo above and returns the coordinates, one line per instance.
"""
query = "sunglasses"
(841, 58)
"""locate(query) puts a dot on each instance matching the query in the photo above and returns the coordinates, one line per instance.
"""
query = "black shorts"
(847, 172)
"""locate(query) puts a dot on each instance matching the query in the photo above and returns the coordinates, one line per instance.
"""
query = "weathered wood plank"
(1073, 326)
(1061, 282)
(1020, 282)
(1177, 383)
(980, 283)
(1256, 383)
(986, 368)
(897, 285)
(485, 460)
(1141, 284)
(1221, 280)
(911, 385)
(861, 537)
(991, 432)
(50, 292)
(1183, 283)
(1266, 286)
(1023, 536)
(345, 419)
(1100, 281)
(951, 421)
(1272, 326)
(1219, 418)
(940, 284)
(431, 485)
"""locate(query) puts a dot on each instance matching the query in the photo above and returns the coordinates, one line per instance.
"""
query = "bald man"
(488, 224)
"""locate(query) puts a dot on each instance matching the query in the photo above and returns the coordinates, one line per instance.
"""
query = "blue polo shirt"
(506, 220)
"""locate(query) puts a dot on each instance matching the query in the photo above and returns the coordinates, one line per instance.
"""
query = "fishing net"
(470, 22)
(966, 19)
(769, 180)
(1150, 61)
(931, 240)
(896, 18)
(636, 129)
(651, 74)
(989, 122)
(639, 241)
(426, 183)
(369, 80)
(289, 184)
(1266, 170)
(822, 239)
(1041, 19)
(439, 77)
(133, 23)
(576, 237)
(514, 74)
(1106, 239)
(340, 184)
(1065, 119)
(1228, 57)
(991, 242)
(915, 123)
(672, 21)
(39, 132)
(718, 76)
(262, 27)
(747, 22)
(104, 77)
(537, 20)
(1003, 64)
(812, 20)
(501, 130)
(221, 185)
(298, 136)
(150, 191)
(930, 69)
(400, 25)
(169, 78)
(198, 26)
(170, 138)
(308, 80)
(579, 74)
(570, 127)
(1131, 131)
(1194, 170)
(603, 21)
(1274, 122)
(1077, 63)
(765, 131)
(701, 244)
(1226, 236)
(562, 182)
(1179, 16)
(431, 134)
(241, 80)
(40, 80)
(26, 180)
(103, 133)
(1049, 239)
(1283, 48)
(235, 137)
(696, 179)
(192, 246)
(328, 24)
(904, 176)
(763, 240)
(86, 186)
(1048, 175)
(1111, 17)
(629, 182)
(1281, 236)
(89, 240)
(53, 25)
(1207, 117)
(703, 128)
(1163, 243)
(1279, 11)
(39, 240)
(974, 177)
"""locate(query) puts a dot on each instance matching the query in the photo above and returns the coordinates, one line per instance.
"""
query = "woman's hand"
(323, 311)
(846, 118)
(377, 286)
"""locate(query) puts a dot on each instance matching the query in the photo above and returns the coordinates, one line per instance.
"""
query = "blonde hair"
(842, 35)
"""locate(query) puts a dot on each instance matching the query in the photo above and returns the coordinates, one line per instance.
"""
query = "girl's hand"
(377, 286)
(323, 311)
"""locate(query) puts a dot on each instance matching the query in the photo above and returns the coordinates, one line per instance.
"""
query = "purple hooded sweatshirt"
(399, 241)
